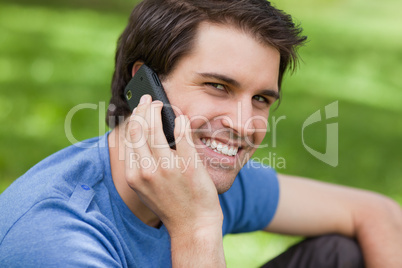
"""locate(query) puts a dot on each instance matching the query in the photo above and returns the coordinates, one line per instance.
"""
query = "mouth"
(221, 148)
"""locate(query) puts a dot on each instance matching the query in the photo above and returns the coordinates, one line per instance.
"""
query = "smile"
(220, 148)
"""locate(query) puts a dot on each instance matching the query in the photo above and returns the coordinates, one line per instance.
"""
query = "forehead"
(232, 52)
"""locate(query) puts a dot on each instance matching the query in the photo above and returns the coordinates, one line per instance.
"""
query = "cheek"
(198, 109)
(199, 118)
(260, 126)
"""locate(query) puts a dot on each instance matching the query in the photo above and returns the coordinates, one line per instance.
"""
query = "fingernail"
(157, 103)
(144, 99)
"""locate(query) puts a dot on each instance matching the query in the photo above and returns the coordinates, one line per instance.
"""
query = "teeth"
(208, 143)
(214, 144)
(225, 150)
(220, 148)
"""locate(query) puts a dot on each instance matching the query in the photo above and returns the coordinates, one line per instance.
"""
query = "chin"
(223, 179)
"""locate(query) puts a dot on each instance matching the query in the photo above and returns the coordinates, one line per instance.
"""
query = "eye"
(216, 85)
(260, 98)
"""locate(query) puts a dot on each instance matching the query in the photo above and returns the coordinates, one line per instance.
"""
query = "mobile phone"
(146, 81)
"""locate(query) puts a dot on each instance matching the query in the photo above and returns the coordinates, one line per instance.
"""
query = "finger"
(156, 137)
(143, 106)
(136, 125)
(183, 136)
(138, 129)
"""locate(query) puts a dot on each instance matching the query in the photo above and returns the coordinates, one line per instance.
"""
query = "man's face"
(226, 87)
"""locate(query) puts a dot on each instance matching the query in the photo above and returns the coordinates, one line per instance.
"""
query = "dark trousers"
(320, 252)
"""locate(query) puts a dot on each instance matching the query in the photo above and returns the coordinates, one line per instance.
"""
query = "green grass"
(56, 56)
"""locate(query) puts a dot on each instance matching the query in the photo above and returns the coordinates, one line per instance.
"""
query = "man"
(138, 203)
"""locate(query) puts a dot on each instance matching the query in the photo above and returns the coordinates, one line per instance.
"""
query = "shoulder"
(257, 171)
(51, 216)
(55, 178)
(77, 158)
(255, 177)
(251, 202)
(56, 233)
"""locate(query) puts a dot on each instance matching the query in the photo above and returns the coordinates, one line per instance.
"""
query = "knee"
(336, 251)
(328, 251)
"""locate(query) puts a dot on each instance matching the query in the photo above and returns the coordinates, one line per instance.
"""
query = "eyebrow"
(271, 93)
(233, 82)
(221, 77)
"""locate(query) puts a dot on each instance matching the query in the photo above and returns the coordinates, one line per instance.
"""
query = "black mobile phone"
(146, 81)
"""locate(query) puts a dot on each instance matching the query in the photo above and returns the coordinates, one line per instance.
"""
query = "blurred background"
(55, 55)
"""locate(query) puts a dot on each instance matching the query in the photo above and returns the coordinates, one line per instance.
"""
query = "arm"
(202, 248)
(309, 208)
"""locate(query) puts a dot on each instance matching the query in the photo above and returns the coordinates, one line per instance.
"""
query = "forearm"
(202, 248)
(380, 235)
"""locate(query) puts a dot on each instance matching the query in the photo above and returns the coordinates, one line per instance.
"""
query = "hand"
(175, 185)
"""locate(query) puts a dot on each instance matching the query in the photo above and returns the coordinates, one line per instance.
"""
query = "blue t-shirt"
(66, 212)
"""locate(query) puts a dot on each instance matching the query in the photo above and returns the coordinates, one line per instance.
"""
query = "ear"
(136, 66)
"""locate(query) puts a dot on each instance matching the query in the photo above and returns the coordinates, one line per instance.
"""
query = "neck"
(117, 151)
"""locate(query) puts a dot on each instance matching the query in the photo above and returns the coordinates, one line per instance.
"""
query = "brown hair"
(161, 32)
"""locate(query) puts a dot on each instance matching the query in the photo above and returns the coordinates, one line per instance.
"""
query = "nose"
(240, 118)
